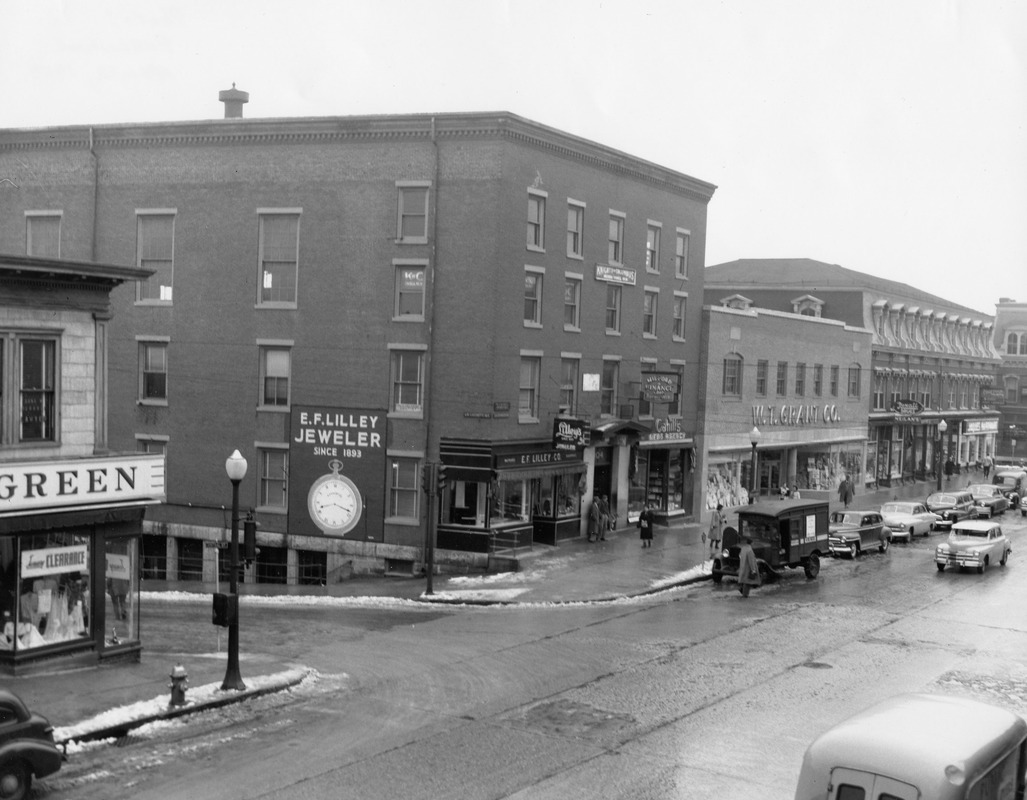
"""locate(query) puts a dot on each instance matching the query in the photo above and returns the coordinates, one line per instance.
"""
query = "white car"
(908, 518)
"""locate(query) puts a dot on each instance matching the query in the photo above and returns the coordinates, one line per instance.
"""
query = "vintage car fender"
(43, 758)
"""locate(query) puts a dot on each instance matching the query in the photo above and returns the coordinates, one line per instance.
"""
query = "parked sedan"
(907, 519)
(26, 747)
(990, 500)
(951, 507)
(852, 532)
(973, 543)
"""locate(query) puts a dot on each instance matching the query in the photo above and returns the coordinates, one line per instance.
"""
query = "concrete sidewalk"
(91, 702)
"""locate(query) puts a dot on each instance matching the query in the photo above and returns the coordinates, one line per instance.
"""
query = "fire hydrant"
(179, 682)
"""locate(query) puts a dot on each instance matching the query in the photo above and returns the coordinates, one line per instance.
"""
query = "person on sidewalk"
(645, 526)
(950, 468)
(845, 491)
(748, 568)
(987, 466)
(605, 517)
(594, 518)
(717, 529)
(795, 492)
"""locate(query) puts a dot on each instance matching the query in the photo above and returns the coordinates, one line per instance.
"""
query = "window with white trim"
(412, 224)
(43, 233)
(675, 409)
(275, 371)
(652, 247)
(645, 408)
(615, 250)
(608, 386)
(1016, 343)
(732, 380)
(36, 380)
(575, 229)
(153, 371)
(407, 371)
(533, 297)
(404, 492)
(782, 378)
(650, 303)
(279, 258)
(818, 380)
(528, 391)
(536, 220)
(680, 308)
(800, 379)
(572, 302)
(613, 302)
(410, 282)
(155, 249)
(762, 369)
(854, 379)
(681, 253)
(274, 478)
(570, 366)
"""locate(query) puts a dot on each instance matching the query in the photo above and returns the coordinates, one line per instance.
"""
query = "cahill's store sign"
(337, 472)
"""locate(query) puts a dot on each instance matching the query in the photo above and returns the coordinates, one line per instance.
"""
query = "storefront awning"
(618, 426)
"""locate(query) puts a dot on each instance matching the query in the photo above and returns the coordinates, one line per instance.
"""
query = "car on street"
(917, 746)
(989, 499)
(973, 543)
(1013, 483)
(854, 531)
(908, 518)
(27, 747)
(951, 507)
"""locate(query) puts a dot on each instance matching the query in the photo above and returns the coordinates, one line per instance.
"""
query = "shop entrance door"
(770, 477)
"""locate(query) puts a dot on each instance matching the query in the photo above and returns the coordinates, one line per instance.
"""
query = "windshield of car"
(941, 500)
(843, 518)
(968, 533)
(760, 529)
(897, 508)
(982, 489)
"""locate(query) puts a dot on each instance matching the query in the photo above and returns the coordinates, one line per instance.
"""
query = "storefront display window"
(638, 480)
(511, 501)
(725, 485)
(464, 504)
(675, 480)
(120, 579)
(567, 491)
(49, 602)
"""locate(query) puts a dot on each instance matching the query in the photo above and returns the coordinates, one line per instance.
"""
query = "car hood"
(966, 543)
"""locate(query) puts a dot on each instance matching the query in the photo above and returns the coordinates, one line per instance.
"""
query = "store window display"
(724, 487)
(49, 600)
(120, 582)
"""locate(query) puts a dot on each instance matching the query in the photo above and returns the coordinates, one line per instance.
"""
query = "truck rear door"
(852, 784)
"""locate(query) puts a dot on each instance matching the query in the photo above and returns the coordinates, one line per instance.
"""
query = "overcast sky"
(887, 136)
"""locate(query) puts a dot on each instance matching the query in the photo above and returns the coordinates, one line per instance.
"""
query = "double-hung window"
(575, 229)
(732, 384)
(762, 368)
(155, 249)
(818, 380)
(854, 378)
(613, 300)
(615, 250)
(536, 220)
(275, 371)
(153, 370)
(645, 408)
(410, 282)
(680, 307)
(37, 390)
(800, 379)
(572, 302)
(533, 297)
(569, 367)
(412, 224)
(652, 246)
(608, 386)
(43, 233)
(681, 254)
(782, 378)
(650, 302)
(403, 489)
(834, 380)
(274, 478)
(279, 257)
(674, 408)
(407, 378)
(527, 398)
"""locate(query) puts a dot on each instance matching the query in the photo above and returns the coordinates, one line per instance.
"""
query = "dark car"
(27, 747)
(951, 507)
(789, 533)
(1012, 481)
(853, 531)
(990, 500)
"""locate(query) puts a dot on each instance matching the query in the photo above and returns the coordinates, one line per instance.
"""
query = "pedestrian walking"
(717, 529)
(605, 517)
(845, 490)
(950, 468)
(987, 466)
(645, 526)
(748, 568)
(594, 518)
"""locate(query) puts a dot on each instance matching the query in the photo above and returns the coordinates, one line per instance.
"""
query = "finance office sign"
(336, 474)
(660, 387)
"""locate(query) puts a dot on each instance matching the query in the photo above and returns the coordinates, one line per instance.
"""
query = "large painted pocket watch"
(334, 501)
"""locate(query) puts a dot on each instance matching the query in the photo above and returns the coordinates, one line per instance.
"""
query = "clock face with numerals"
(334, 502)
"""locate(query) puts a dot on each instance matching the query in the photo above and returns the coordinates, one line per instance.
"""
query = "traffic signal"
(440, 478)
(426, 478)
(249, 538)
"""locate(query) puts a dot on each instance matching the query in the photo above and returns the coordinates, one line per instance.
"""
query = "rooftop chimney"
(233, 99)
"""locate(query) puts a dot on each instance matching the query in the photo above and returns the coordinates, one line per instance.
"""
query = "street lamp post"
(754, 438)
(235, 466)
(942, 427)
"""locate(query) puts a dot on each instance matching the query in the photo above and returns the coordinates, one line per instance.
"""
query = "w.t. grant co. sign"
(795, 415)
